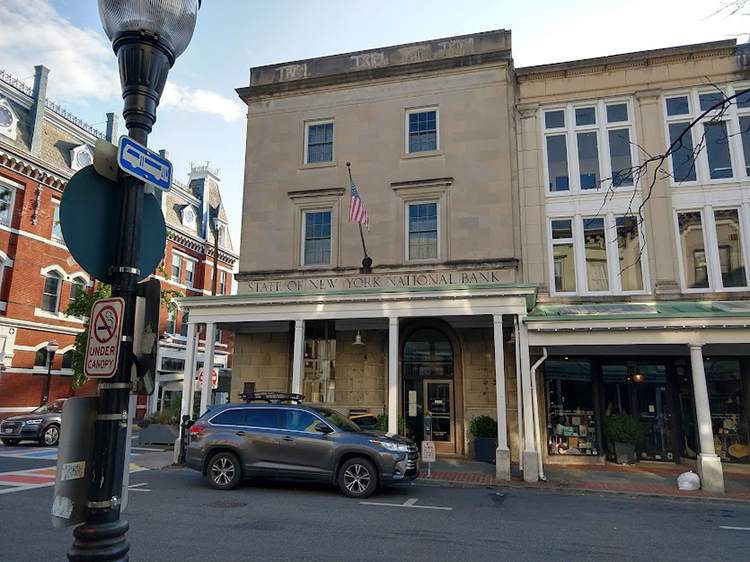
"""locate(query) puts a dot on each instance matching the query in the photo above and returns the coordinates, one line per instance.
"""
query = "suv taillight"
(197, 429)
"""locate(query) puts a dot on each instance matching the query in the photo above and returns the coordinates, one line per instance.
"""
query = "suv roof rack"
(274, 397)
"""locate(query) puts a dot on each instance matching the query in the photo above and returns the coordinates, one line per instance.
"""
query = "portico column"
(502, 455)
(298, 356)
(393, 375)
(530, 459)
(709, 464)
(187, 382)
(208, 366)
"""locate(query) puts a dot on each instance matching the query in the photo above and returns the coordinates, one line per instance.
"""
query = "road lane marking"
(735, 528)
(139, 487)
(408, 503)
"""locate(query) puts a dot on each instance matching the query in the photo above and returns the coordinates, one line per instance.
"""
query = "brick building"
(41, 147)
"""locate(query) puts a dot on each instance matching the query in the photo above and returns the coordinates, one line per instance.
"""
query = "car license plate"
(8, 430)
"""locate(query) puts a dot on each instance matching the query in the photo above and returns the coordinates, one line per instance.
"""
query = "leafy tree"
(81, 306)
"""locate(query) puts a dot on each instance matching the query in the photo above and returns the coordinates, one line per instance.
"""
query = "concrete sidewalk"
(155, 461)
(642, 479)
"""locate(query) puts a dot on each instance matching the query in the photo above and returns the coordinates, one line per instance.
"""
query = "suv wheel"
(224, 472)
(51, 436)
(11, 442)
(358, 478)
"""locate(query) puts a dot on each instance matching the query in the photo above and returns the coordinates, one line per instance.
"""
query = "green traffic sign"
(90, 213)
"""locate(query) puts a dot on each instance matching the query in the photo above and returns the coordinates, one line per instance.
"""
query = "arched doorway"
(429, 395)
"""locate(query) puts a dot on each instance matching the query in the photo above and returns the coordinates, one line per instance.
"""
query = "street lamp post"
(147, 36)
(51, 350)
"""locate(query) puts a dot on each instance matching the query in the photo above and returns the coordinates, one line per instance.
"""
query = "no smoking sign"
(105, 333)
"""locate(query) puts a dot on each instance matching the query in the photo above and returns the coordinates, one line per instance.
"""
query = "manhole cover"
(227, 504)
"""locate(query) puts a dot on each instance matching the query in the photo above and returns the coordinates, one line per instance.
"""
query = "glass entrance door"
(438, 408)
(653, 413)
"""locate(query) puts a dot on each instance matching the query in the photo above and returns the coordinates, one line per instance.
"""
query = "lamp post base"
(96, 542)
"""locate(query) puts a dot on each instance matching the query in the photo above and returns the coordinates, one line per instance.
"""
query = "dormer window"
(188, 217)
(80, 157)
(8, 119)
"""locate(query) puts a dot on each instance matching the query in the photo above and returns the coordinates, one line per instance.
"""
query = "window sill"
(425, 154)
(57, 316)
(317, 165)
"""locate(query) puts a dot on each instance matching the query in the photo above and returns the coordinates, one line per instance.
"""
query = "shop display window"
(728, 402)
(570, 408)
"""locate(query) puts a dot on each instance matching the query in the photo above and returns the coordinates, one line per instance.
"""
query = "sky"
(201, 118)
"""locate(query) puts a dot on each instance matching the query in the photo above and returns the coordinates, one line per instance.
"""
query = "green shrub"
(620, 428)
(170, 415)
(383, 424)
(483, 426)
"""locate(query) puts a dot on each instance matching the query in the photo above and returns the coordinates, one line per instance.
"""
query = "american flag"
(357, 211)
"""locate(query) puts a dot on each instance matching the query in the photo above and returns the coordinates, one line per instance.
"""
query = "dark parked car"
(276, 440)
(42, 425)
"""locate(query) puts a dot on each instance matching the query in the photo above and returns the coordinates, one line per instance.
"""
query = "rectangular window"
(170, 322)
(620, 157)
(731, 258)
(51, 293)
(629, 253)
(189, 273)
(569, 390)
(184, 323)
(557, 163)
(588, 160)
(176, 268)
(717, 149)
(320, 143)
(745, 136)
(223, 283)
(423, 131)
(423, 231)
(56, 228)
(319, 382)
(317, 238)
(693, 249)
(595, 246)
(563, 257)
(683, 157)
(6, 203)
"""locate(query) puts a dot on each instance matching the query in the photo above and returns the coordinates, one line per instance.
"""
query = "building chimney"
(39, 96)
(111, 128)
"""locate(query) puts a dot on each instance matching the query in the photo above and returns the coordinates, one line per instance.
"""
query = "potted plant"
(161, 427)
(484, 430)
(382, 424)
(623, 432)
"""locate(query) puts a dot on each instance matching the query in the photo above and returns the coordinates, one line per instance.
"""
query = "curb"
(573, 491)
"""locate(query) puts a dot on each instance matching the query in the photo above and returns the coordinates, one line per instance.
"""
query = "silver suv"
(274, 440)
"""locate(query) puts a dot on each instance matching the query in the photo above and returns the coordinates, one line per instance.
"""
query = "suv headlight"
(391, 446)
(33, 422)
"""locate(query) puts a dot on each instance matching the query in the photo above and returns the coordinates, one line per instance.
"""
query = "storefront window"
(729, 409)
(319, 383)
(570, 407)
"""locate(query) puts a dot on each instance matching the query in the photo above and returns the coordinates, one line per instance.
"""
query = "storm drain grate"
(227, 504)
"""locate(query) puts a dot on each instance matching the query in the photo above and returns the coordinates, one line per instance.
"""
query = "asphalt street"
(175, 516)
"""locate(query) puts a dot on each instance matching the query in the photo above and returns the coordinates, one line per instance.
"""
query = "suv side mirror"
(323, 428)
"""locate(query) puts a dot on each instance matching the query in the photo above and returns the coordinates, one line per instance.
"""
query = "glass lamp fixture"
(52, 348)
(358, 339)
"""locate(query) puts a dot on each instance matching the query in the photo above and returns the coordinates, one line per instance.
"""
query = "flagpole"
(367, 261)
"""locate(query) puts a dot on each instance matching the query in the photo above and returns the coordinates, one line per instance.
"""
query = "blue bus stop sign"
(90, 212)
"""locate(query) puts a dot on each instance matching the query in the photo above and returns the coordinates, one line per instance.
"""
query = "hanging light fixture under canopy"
(358, 339)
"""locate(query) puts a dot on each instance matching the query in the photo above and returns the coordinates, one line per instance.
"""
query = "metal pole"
(45, 396)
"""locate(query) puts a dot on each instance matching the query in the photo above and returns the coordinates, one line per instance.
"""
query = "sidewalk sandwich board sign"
(105, 333)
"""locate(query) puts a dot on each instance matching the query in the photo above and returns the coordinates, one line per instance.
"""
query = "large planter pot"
(625, 453)
(484, 449)
(158, 434)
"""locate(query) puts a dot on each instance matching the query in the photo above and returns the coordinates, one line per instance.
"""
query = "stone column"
(502, 455)
(298, 358)
(208, 366)
(191, 351)
(393, 375)
(530, 459)
(709, 463)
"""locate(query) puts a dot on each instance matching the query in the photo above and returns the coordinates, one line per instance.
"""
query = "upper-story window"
(319, 142)
(316, 242)
(170, 322)
(422, 130)
(51, 292)
(223, 283)
(422, 231)
(7, 194)
(56, 227)
(176, 268)
(589, 145)
(717, 148)
(189, 273)
(713, 249)
(188, 216)
(8, 119)
(77, 287)
(596, 255)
